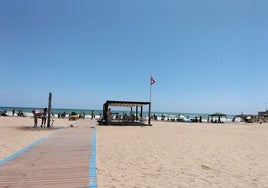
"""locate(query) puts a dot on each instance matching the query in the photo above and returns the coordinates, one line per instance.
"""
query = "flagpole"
(150, 91)
(149, 122)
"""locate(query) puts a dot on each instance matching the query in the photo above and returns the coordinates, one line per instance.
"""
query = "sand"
(164, 155)
(18, 132)
(183, 155)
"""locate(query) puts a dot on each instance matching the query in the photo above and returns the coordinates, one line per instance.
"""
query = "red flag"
(152, 80)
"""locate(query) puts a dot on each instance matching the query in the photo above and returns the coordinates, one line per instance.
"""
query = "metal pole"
(49, 109)
(150, 92)
(149, 120)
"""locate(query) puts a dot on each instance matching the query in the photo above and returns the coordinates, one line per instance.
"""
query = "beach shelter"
(128, 104)
(218, 116)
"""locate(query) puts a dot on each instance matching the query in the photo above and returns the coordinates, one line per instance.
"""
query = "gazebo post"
(137, 112)
(141, 112)
(105, 109)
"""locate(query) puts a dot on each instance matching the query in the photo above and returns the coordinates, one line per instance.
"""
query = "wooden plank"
(62, 160)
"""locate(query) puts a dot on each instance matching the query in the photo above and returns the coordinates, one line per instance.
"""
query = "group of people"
(19, 113)
(82, 115)
(3, 113)
(124, 117)
(62, 115)
(42, 115)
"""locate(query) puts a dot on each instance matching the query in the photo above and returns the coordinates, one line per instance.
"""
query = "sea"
(98, 113)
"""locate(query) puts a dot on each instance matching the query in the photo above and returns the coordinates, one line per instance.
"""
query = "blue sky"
(205, 56)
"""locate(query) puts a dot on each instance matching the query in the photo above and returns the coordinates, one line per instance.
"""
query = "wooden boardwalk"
(61, 160)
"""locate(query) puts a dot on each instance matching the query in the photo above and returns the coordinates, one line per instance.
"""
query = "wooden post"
(105, 109)
(49, 109)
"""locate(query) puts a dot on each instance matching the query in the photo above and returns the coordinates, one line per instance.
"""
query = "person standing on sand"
(44, 117)
(35, 119)
(92, 114)
(84, 115)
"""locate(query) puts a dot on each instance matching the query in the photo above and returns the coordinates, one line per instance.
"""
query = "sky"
(205, 56)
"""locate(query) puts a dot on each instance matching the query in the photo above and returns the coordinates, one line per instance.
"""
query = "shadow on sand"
(31, 128)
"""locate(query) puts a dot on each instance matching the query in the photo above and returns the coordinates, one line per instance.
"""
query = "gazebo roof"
(126, 103)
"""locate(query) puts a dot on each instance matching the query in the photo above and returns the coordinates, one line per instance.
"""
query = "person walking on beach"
(13, 112)
(35, 119)
(44, 117)
(92, 114)
(84, 115)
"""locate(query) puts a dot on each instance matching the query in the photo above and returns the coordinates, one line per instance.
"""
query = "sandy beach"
(167, 154)
(183, 155)
(18, 132)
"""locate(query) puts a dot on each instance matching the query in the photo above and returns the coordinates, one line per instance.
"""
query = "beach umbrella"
(217, 115)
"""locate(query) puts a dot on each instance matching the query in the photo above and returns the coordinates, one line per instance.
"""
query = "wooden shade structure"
(129, 104)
